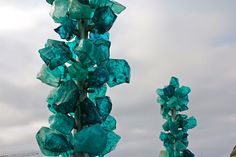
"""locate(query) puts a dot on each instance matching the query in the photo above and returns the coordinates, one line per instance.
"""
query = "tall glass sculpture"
(173, 100)
(80, 68)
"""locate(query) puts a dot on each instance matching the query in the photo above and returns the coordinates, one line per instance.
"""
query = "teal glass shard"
(104, 106)
(163, 136)
(52, 108)
(67, 28)
(180, 135)
(112, 141)
(55, 53)
(180, 117)
(161, 101)
(174, 126)
(192, 122)
(62, 123)
(102, 51)
(91, 140)
(103, 19)
(65, 97)
(165, 111)
(84, 51)
(109, 124)
(77, 72)
(89, 113)
(182, 105)
(169, 91)
(59, 10)
(183, 91)
(52, 143)
(184, 140)
(180, 146)
(79, 11)
(119, 71)
(97, 92)
(50, 1)
(161, 94)
(51, 77)
(98, 77)
(116, 7)
(188, 153)
(72, 44)
(166, 125)
(95, 36)
(173, 102)
(174, 82)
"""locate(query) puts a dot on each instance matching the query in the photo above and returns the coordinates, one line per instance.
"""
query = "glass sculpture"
(79, 69)
(173, 100)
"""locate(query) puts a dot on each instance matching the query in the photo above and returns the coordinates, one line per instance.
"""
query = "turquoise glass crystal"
(103, 19)
(95, 36)
(78, 10)
(174, 82)
(180, 146)
(77, 72)
(112, 140)
(192, 122)
(65, 97)
(109, 124)
(102, 51)
(66, 29)
(104, 106)
(55, 53)
(173, 102)
(85, 50)
(174, 99)
(97, 92)
(58, 120)
(119, 71)
(98, 77)
(59, 10)
(116, 7)
(183, 91)
(91, 140)
(51, 77)
(52, 143)
(90, 114)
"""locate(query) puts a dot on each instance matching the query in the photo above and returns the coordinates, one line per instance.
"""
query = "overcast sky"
(194, 40)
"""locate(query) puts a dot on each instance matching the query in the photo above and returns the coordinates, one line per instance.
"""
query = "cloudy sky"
(194, 40)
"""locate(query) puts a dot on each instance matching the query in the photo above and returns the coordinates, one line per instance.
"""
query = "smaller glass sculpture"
(173, 100)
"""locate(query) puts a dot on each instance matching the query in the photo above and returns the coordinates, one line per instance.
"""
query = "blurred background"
(192, 40)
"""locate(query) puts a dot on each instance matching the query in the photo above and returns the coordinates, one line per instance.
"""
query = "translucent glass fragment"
(91, 140)
(52, 143)
(119, 71)
(79, 11)
(62, 123)
(104, 106)
(51, 77)
(59, 10)
(103, 19)
(55, 53)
